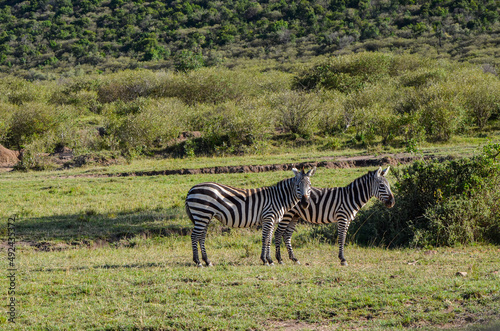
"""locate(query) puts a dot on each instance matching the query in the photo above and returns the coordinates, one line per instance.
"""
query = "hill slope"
(114, 34)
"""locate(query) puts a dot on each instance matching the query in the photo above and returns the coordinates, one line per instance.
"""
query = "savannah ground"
(115, 253)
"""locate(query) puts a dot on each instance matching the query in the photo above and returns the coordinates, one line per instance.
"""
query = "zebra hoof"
(210, 264)
(280, 262)
(297, 262)
(344, 263)
(271, 264)
(199, 265)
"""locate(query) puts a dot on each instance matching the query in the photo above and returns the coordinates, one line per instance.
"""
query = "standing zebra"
(338, 204)
(242, 208)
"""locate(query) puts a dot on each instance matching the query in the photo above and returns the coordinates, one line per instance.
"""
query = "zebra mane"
(366, 178)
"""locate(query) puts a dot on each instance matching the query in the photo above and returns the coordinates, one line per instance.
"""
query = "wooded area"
(56, 35)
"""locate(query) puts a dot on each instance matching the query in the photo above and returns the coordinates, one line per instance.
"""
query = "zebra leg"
(342, 229)
(277, 239)
(267, 232)
(194, 244)
(203, 251)
(198, 235)
(288, 240)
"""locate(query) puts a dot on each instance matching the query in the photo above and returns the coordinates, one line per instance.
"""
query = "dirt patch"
(297, 325)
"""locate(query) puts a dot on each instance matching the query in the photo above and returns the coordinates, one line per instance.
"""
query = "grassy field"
(115, 253)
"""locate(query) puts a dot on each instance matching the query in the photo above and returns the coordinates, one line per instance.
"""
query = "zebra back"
(237, 207)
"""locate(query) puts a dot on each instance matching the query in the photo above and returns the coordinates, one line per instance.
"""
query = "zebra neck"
(284, 192)
(360, 191)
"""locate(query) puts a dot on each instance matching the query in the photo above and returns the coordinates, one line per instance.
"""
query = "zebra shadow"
(87, 227)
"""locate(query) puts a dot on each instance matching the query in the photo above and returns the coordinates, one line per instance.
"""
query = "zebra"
(242, 208)
(338, 204)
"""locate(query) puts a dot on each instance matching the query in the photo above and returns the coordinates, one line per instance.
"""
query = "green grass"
(115, 253)
(155, 285)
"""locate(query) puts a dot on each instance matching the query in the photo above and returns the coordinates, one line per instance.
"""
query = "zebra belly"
(228, 214)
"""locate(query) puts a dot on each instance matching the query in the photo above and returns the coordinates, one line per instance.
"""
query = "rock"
(461, 274)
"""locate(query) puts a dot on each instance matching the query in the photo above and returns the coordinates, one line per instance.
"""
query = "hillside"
(56, 35)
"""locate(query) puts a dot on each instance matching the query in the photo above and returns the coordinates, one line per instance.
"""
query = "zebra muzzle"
(304, 202)
(389, 203)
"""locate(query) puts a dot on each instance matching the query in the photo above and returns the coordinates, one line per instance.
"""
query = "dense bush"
(416, 94)
(331, 117)
(439, 203)
(296, 112)
(128, 85)
(400, 100)
(230, 127)
(143, 124)
(30, 121)
(346, 74)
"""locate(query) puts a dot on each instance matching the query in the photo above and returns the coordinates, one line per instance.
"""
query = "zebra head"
(383, 189)
(303, 185)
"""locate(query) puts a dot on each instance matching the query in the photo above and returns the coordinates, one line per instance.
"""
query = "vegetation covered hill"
(117, 34)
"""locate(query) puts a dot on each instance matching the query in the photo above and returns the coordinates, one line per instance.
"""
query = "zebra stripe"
(243, 208)
(338, 204)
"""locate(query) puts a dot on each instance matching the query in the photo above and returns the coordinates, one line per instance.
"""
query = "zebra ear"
(385, 171)
(311, 172)
(295, 171)
(379, 171)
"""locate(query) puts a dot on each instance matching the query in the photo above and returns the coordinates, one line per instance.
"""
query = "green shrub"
(371, 112)
(153, 126)
(29, 121)
(411, 129)
(441, 118)
(331, 116)
(439, 203)
(441, 111)
(6, 111)
(187, 60)
(331, 144)
(480, 93)
(229, 127)
(386, 124)
(296, 112)
(128, 85)
(463, 220)
(138, 105)
(82, 99)
(19, 91)
(32, 157)
(422, 77)
(346, 73)
(74, 133)
(207, 85)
